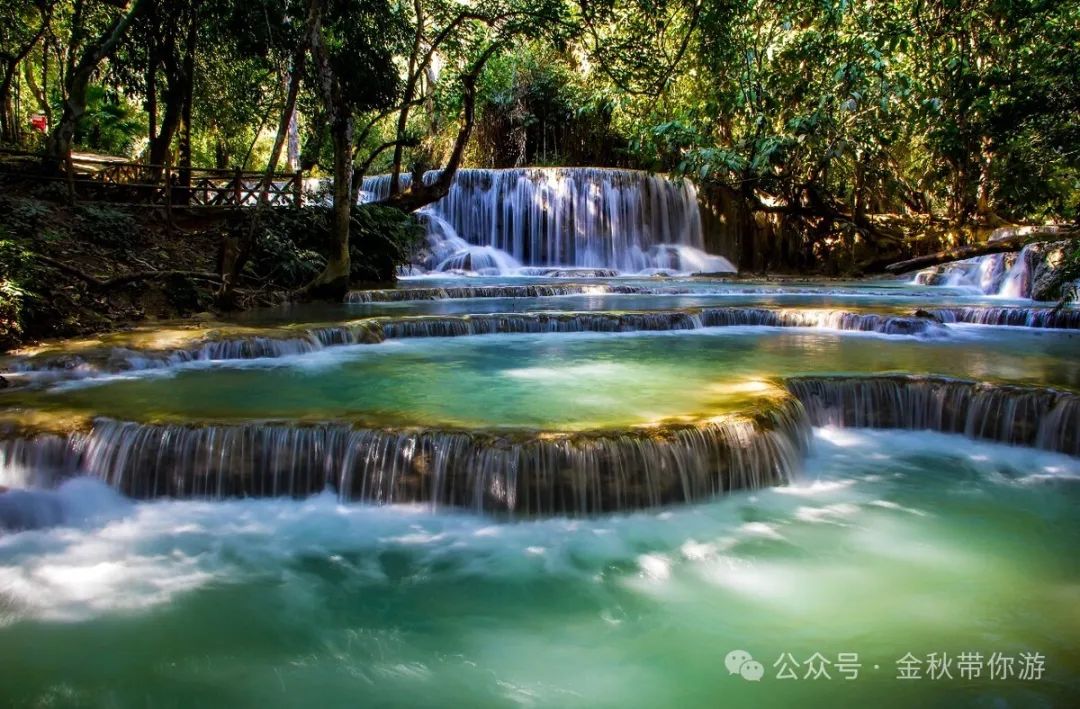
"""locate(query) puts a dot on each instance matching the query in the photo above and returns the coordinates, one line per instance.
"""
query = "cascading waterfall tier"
(536, 473)
(1027, 416)
(495, 221)
(526, 474)
(400, 295)
(1033, 272)
(459, 292)
(690, 319)
(1051, 318)
(243, 347)
(376, 330)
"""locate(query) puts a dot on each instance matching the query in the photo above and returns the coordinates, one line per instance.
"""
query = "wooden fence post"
(168, 196)
(298, 189)
(237, 188)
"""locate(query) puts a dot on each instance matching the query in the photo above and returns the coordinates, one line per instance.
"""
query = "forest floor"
(62, 268)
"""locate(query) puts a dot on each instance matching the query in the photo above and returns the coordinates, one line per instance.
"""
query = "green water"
(893, 543)
(568, 382)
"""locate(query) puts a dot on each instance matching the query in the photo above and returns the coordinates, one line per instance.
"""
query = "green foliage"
(822, 111)
(1069, 272)
(290, 244)
(23, 217)
(111, 124)
(286, 246)
(536, 108)
(362, 38)
(15, 272)
(106, 225)
(382, 240)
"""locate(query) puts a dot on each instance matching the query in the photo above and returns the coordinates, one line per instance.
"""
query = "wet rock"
(1047, 280)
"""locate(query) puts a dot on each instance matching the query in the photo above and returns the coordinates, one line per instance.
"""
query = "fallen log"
(996, 245)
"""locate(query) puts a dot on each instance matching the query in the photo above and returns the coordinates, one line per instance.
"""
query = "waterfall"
(390, 295)
(35, 462)
(1053, 318)
(232, 348)
(495, 221)
(380, 329)
(526, 474)
(689, 319)
(989, 274)
(413, 293)
(1028, 416)
(535, 473)
(1017, 283)
(1007, 275)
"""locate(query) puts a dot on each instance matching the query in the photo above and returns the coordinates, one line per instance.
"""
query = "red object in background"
(40, 123)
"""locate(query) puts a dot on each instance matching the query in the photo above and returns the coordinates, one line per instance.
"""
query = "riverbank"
(75, 270)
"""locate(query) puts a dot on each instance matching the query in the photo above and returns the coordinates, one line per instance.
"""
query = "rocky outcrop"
(1046, 261)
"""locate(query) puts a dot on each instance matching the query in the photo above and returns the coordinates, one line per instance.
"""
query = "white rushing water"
(1003, 275)
(66, 565)
(502, 222)
(893, 543)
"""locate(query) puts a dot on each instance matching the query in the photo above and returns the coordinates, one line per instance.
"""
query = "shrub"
(107, 225)
(15, 264)
(291, 244)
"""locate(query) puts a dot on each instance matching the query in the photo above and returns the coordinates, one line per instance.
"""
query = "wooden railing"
(116, 181)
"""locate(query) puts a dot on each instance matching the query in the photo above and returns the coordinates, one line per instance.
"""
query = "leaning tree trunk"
(286, 124)
(236, 252)
(420, 195)
(1014, 242)
(60, 141)
(9, 126)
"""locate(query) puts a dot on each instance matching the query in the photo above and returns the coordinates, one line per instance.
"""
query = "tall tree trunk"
(9, 128)
(7, 113)
(293, 151)
(859, 207)
(333, 282)
(58, 146)
(335, 279)
(161, 143)
(184, 145)
(982, 195)
(747, 227)
(151, 102)
(151, 81)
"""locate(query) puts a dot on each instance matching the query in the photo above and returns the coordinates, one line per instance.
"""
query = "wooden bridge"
(94, 178)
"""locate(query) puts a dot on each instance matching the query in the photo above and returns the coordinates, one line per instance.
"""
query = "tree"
(352, 47)
(23, 24)
(58, 147)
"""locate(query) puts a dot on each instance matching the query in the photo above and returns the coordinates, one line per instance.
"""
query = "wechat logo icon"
(739, 662)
